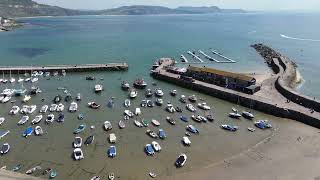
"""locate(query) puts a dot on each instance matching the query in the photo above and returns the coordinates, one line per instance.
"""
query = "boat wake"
(300, 39)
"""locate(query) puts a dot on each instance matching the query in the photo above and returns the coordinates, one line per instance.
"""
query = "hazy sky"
(244, 4)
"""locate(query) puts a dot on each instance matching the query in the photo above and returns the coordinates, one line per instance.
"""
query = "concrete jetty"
(224, 57)
(67, 68)
(208, 57)
(183, 58)
(195, 56)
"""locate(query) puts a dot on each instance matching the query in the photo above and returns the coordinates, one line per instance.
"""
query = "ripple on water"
(30, 52)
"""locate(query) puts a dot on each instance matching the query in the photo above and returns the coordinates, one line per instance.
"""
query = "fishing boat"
(204, 106)
(148, 93)
(170, 108)
(173, 92)
(127, 103)
(44, 109)
(23, 120)
(159, 92)
(4, 133)
(192, 129)
(53, 174)
(73, 107)
(112, 138)
(192, 98)
(156, 146)
(98, 88)
(17, 167)
(138, 123)
(128, 113)
(159, 101)
(112, 151)
(78, 154)
(53, 107)
(191, 108)
(60, 117)
(27, 132)
(125, 85)
(184, 118)
(235, 115)
(171, 121)
(107, 125)
(133, 93)
(79, 129)
(60, 107)
(37, 119)
(140, 84)
(247, 114)
(155, 122)
(262, 124)
(5, 148)
(162, 134)
(2, 119)
(186, 141)
(229, 127)
(34, 169)
(38, 131)
(77, 143)
(121, 124)
(178, 109)
(57, 99)
(89, 140)
(145, 122)
(93, 105)
(137, 111)
(152, 134)
(149, 149)
(181, 160)
(150, 103)
(78, 97)
(81, 116)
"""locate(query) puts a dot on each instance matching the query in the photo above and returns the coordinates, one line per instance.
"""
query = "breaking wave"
(300, 39)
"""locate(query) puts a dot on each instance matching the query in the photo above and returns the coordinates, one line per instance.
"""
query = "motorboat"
(17, 167)
(162, 134)
(170, 108)
(98, 88)
(171, 121)
(6, 99)
(57, 99)
(191, 108)
(159, 92)
(150, 103)
(152, 134)
(204, 106)
(112, 151)
(20, 80)
(38, 131)
(44, 108)
(229, 127)
(37, 119)
(12, 80)
(180, 162)
(50, 118)
(121, 124)
(140, 84)
(155, 122)
(89, 140)
(152, 174)
(23, 120)
(156, 146)
(262, 124)
(199, 118)
(78, 98)
(60, 107)
(53, 174)
(93, 105)
(125, 85)
(35, 79)
(27, 79)
(173, 92)
(127, 103)
(111, 176)
(77, 143)
(128, 113)
(79, 129)
(184, 118)
(95, 178)
(73, 107)
(31, 109)
(107, 125)
(26, 98)
(53, 107)
(234, 115)
(148, 93)
(112, 138)
(24, 109)
(247, 114)
(159, 101)
(80, 116)
(137, 111)
(7, 92)
(133, 93)
(4, 133)
(149, 149)
(145, 122)
(5, 148)
(14, 110)
(192, 129)
(143, 103)
(19, 92)
(60, 117)
(138, 123)
(210, 117)
(192, 98)
(27, 132)
(110, 103)
(186, 141)
(34, 169)
(68, 97)
(178, 109)
(251, 129)
(35, 90)
(78, 154)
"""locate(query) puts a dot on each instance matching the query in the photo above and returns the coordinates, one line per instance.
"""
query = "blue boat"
(28, 132)
(229, 127)
(162, 134)
(81, 128)
(53, 174)
(262, 124)
(110, 103)
(60, 117)
(81, 116)
(184, 118)
(192, 129)
(112, 151)
(149, 149)
(17, 168)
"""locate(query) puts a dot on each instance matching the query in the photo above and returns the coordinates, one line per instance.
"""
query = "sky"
(266, 5)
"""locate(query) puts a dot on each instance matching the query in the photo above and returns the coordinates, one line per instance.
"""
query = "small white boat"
(155, 122)
(26, 98)
(34, 169)
(191, 108)
(6, 99)
(50, 118)
(204, 106)
(121, 124)
(137, 112)
(159, 92)
(78, 98)
(60, 107)
(1, 97)
(181, 160)
(44, 109)
(53, 107)
(27, 79)
(170, 108)
(7, 92)
(35, 79)
(156, 146)
(77, 142)
(251, 129)
(24, 109)
(14, 110)
(127, 103)
(5, 148)
(112, 138)
(2, 119)
(138, 123)
(12, 80)
(93, 105)
(23, 120)
(4, 133)
(73, 107)
(38, 131)
(186, 141)
(37, 119)
(107, 125)
(133, 93)
(128, 113)
(234, 115)
(247, 114)
(20, 80)
(98, 88)
(78, 154)
(31, 109)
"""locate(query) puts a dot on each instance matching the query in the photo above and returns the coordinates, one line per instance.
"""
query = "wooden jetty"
(67, 68)
(224, 57)
(208, 57)
(183, 58)
(195, 56)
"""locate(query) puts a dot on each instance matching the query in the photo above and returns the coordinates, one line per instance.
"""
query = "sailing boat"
(12, 80)
(20, 79)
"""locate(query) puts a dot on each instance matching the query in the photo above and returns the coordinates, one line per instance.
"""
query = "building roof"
(221, 73)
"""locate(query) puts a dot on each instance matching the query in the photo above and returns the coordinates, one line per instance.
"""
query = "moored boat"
(204, 106)
(34, 169)
(98, 88)
(50, 118)
(78, 154)
(53, 107)
(247, 114)
(23, 120)
(171, 121)
(159, 92)
(79, 129)
(162, 134)
(181, 160)
(14, 110)
(60, 117)
(27, 132)
(170, 108)
(156, 146)
(152, 134)
(148, 93)
(38, 131)
(37, 119)
(192, 98)
(77, 143)
(2, 119)
(186, 141)
(140, 83)
(235, 115)
(155, 122)
(107, 125)
(133, 93)
(229, 127)
(73, 107)
(125, 85)
(121, 124)
(173, 92)
(57, 99)
(138, 123)
(44, 109)
(192, 129)
(127, 103)
(112, 151)
(93, 105)
(262, 124)
(191, 108)
(149, 149)
(5, 148)
(89, 140)
(112, 138)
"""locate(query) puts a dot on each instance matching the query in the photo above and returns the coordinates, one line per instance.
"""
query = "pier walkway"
(224, 57)
(67, 68)
(195, 56)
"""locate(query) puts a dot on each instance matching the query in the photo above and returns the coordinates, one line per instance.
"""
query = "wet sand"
(8, 175)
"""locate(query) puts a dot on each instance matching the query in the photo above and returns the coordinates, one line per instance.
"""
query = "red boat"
(140, 83)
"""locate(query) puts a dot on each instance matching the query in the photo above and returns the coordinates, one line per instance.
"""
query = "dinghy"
(23, 120)
(181, 160)
(229, 127)
(162, 134)
(93, 105)
(37, 119)
(122, 125)
(81, 128)
(60, 117)
(73, 107)
(27, 132)
(127, 103)
(50, 118)
(44, 109)
(14, 110)
(60, 107)
(81, 116)
(107, 125)
(155, 122)
(156, 146)
(112, 151)
(89, 140)
(34, 169)
(137, 123)
(4, 133)
(53, 107)
(186, 141)
(2, 119)
(5, 148)
(192, 129)
(77, 142)
(149, 149)
(112, 138)
(26, 98)
(38, 131)
(78, 154)
(111, 176)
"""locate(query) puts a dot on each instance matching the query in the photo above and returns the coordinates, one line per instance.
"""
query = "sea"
(139, 41)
